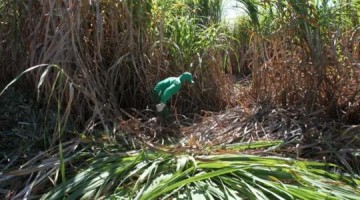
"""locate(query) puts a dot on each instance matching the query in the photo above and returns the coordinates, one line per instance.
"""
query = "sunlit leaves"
(153, 176)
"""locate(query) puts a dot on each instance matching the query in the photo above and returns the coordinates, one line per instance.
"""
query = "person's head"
(186, 76)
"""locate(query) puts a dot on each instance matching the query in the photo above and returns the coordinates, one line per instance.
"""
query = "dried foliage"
(304, 56)
(288, 76)
(111, 53)
(303, 135)
(36, 173)
(103, 57)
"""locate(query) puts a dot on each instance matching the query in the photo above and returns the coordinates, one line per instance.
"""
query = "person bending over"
(165, 89)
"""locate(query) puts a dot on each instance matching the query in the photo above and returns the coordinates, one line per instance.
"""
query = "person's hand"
(160, 107)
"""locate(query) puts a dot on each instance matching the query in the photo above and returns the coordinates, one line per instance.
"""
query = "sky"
(231, 9)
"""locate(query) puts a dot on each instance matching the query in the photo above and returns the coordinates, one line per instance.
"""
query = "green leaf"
(172, 185)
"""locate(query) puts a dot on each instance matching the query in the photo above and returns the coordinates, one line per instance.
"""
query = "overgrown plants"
(285, 74)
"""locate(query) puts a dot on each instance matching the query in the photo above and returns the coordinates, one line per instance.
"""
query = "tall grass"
(92, 46)
(190, 39)
(111, 53)
(116, 51)
(301, 54)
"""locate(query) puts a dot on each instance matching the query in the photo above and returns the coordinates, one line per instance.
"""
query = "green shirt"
(164, 89)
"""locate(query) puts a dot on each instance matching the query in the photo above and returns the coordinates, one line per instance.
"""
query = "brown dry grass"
(112, 58)
(109, 53)
(304, 135)
(286, 73)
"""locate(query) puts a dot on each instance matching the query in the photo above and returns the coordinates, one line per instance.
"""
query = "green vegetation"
(274, 112)
(149, 175)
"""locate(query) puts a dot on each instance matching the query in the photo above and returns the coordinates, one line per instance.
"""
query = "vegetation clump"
(275, 89)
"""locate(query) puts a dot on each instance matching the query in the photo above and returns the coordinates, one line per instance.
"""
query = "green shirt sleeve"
(166, 95)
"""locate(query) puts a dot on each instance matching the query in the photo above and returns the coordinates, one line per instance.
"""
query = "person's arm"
(166, 95)
(169, 92)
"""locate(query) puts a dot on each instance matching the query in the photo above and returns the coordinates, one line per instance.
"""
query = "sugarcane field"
(179, 99)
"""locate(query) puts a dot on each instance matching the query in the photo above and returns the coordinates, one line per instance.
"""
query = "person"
(166, 88)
